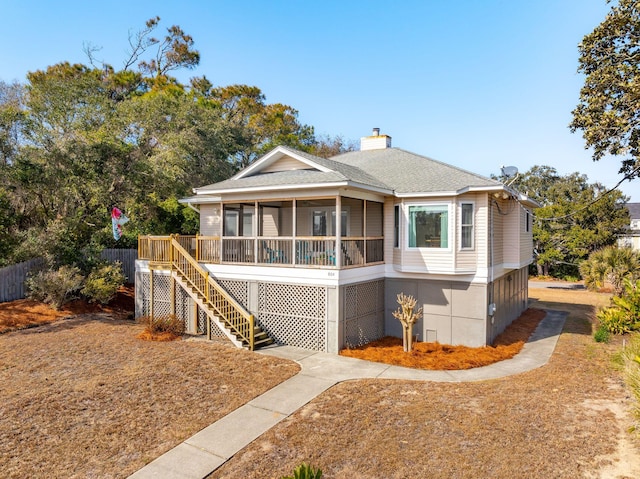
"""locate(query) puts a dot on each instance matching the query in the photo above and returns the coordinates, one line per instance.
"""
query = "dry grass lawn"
(84, 398)
(568, 419)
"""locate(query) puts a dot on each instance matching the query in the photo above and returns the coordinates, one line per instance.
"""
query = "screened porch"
(338, 232)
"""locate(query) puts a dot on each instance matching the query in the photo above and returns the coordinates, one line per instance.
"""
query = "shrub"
(103, 282)
(305, 471)
(54, 287)
(161, 328)
(613, 265)
(631, 367)
(624, 316)
(602, 334)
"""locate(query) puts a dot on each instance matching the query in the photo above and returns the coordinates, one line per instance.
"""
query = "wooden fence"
(128, 259)
(12, 277)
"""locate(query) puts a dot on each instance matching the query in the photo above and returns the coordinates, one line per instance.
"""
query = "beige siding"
(353, 208)
(482, 230)
(391, 254)
(427, 261)
(374, 219)
(303, 221)
(285, 163)
(526, 237)
(210, 220)
(270, 221)
(498, 232)
(466, 259)
(513, 227)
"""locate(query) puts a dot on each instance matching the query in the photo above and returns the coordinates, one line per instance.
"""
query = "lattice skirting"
(161, 293)
(295, 315)
(364, 312)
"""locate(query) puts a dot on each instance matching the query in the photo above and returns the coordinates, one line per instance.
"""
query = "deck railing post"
(251, 332)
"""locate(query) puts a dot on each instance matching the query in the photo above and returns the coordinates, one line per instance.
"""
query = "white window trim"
(397, 208)
(407, 224)
(473, 226)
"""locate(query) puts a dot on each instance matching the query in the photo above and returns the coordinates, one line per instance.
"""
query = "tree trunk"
(405, 338)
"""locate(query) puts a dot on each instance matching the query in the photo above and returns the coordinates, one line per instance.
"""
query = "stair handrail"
(178, 251)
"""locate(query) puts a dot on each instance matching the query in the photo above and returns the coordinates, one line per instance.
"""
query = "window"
(467, 226)
(396, 226)
(321, 228)
(527, 222)
(429, 226)
(319, 223)
(231, 226)
(343, 223)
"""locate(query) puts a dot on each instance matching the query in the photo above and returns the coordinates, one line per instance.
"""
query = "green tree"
(612, 265)
(575, 218)
(326, 146)
(607, 113)
(260, 126)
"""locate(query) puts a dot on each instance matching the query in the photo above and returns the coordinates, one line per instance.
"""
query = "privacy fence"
(12, 277)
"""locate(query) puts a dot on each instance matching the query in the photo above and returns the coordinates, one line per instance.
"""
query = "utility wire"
(626, 177)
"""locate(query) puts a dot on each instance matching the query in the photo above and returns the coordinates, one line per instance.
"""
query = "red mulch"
(389, 350)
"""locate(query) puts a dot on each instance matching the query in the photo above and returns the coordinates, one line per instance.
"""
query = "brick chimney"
(375, 142)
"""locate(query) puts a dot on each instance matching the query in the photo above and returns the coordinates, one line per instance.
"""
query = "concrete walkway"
(207, 450)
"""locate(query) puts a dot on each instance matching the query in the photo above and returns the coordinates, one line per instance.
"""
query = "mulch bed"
(389, 350)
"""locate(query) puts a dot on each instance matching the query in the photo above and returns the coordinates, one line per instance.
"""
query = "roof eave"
(273, 156)
(336, 184)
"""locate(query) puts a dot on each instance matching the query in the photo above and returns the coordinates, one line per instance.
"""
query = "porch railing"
(301, 251)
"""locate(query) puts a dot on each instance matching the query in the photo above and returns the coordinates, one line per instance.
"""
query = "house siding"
(512, 218)
(391, 254)
(526, 237)
(467, 259)
(375, 219)
(270, 221)
(496, 229)
(482, 231)
(285, 163)
(210, 220)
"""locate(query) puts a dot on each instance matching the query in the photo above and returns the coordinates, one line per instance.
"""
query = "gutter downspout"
(190, 205)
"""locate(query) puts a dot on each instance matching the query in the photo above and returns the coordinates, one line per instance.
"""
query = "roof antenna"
(511, 172)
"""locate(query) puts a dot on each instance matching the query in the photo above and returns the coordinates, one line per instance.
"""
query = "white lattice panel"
(182, 306)
(294, 314)
(142, 294)
(161, 295)
(239, 290)
(307, 333)
(293, 300)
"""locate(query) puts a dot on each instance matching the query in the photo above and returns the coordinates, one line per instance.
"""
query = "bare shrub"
(161, 328)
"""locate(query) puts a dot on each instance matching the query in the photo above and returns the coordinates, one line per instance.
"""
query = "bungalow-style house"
(312, 252)
(631, 238)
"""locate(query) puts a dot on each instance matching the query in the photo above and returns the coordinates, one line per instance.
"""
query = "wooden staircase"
(221, 309)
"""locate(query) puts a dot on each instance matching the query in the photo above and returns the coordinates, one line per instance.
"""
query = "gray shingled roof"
(634, 210)
(406, 172)
(391, 169)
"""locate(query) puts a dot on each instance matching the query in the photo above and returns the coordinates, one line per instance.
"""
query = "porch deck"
(327, 252)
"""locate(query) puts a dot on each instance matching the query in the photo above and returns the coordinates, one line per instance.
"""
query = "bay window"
(429, 226)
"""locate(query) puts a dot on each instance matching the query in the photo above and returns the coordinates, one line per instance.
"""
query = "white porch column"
(294, 232)
(338, 231)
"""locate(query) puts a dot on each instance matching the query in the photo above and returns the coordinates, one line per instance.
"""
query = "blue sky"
(474, 83)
